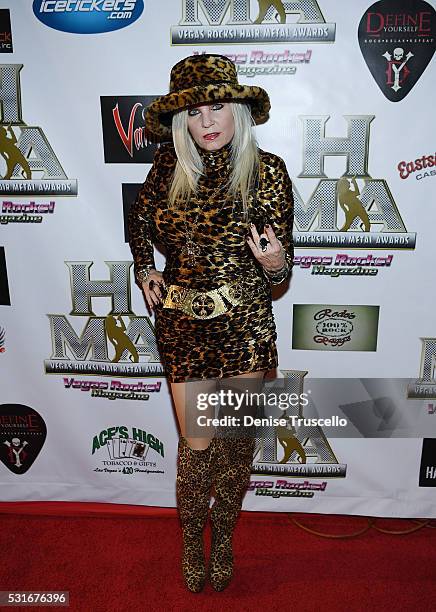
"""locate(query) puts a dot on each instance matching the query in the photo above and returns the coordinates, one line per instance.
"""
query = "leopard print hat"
(203, 79)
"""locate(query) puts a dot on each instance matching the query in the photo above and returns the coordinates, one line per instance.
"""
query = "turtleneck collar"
(215, 160)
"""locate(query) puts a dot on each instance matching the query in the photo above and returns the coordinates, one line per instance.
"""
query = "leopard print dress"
(243, 338)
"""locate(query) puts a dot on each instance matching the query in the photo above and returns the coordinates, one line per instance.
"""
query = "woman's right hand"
(152, 288)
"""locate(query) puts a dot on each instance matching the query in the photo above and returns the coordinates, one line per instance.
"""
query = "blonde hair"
(189, 167)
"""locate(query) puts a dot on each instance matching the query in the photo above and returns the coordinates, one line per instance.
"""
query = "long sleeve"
(281, 205)
(140, 222)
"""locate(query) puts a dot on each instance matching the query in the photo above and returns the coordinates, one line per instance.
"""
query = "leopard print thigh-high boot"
(231, 478)
(193, 483)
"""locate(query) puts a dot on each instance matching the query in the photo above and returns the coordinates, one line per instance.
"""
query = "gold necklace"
(191, 248)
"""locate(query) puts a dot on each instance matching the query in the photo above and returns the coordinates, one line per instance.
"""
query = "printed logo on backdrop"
(244, 21)
(130, 192)
(345, 212)
(5, 32)
(297, 449)
(343, 264)
(397, 40)
(261, 63)
(113, 390)
(28, 164)
(2, 339)
(128, 451)
(325, 327)
(424, 387)
(124, 135)
(87, 16)
(427, 469)
(5, 299)
(420, 168)
(22, 436)
(17, 212)
(113, 343)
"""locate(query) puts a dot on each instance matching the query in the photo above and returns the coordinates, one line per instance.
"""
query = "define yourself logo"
(128, 453)
(397, 40)
(22, 435)
(87, 16)
(370, 217)
(293, 450)
(261, 63)
(130, 339)
(424, 387)
(31, 166)
(231, 22)
(124, 135)
(5, 32)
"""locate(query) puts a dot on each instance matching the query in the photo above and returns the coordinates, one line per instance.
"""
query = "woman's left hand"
(273, 257)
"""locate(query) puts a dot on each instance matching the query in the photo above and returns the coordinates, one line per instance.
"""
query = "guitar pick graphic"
(22, 435)
(397, 40)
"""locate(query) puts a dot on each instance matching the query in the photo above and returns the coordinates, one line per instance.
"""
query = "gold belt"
(204, 304)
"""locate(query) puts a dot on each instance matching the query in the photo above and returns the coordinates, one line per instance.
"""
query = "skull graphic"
(398, 53)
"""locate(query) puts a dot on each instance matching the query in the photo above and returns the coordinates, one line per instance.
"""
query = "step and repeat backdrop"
(85, 409)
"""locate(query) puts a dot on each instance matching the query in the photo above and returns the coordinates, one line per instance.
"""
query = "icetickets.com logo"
(232, 22)
(87, 16)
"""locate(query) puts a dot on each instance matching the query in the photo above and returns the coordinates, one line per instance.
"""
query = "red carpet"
(132, 563)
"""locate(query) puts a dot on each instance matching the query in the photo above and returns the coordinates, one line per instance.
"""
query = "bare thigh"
(192, 410)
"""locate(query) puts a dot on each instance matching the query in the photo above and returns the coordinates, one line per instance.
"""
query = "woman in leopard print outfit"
(223, 210)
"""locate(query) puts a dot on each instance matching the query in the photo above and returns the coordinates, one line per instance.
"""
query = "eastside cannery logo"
(127, 452)
(322, 327)
(22, 435)
(5, 299)
(231, 21)
(124, 135)
(115, 389)
(5, 32)
(261, 63)
(342, 264)
(86, 351)
(12, 212)
(31, 166)
(397, 40)
(420, 166)
(427, 469)
(87, 16)
(370, 217)
(295, 449)
(424, 387)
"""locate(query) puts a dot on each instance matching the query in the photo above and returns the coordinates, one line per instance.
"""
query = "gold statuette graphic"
(115, 331)
(286, 437)
(11, 153)
(351, 205)
(264, 6)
